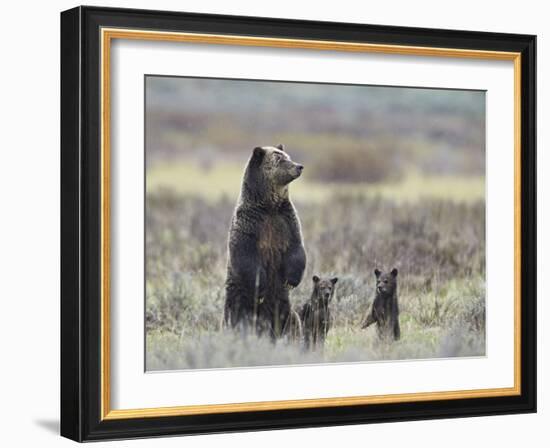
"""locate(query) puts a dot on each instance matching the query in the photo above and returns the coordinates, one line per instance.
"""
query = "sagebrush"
(437, 245)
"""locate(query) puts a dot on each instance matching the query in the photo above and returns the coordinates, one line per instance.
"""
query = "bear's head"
(386, 282)
(323, 289)
(275, 164)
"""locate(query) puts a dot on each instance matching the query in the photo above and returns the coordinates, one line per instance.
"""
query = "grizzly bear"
(315, 314)
(266, 255)
(385, 309)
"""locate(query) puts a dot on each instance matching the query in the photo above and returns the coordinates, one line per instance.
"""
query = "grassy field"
(224, 179)
(432, 229)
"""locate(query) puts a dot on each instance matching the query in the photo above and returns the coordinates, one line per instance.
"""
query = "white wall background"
(29, 224)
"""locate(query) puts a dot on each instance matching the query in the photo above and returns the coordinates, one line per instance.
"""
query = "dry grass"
(437, 245)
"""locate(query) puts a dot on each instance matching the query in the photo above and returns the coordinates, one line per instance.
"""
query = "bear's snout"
(298, 169)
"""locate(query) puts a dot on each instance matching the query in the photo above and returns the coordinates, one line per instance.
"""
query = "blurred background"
(393, 177)
(416, 141)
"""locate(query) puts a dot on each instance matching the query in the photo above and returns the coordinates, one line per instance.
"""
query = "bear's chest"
(382, 306)
(273, 237)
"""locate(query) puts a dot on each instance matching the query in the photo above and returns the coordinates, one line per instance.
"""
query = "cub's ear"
(334, 280)
(377, 272)
(280, 146)
(394, 272)
(315, 279)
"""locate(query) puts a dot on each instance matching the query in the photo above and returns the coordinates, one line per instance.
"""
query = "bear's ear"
(280, 146)
(377, 272)
(334, 280)
(315, 279)
(258, 154)
(394, 272)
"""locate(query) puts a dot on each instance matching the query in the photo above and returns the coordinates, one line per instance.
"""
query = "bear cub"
(385, 309)
(315, 314)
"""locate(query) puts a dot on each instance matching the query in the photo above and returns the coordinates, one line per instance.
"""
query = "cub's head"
(275, 164)
(323, 289)
(386, 282)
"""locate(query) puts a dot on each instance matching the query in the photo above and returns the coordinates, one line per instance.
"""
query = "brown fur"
(266, 253)
(385, 308)
(315, 314)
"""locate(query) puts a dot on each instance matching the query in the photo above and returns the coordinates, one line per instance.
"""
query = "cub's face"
(278, 167)
(386, 282)
(324, 289)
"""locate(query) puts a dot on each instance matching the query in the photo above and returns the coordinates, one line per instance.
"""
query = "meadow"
(436, 242)
(394, 177)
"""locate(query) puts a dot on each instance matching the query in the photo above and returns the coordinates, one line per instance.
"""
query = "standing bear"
(385, 309)
(266, 255)
(315, 314)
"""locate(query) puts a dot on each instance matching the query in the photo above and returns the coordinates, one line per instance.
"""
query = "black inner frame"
(81, 221)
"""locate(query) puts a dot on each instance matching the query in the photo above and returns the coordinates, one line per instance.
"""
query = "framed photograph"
(273, 223)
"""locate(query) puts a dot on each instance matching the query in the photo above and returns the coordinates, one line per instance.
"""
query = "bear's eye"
(385, 281)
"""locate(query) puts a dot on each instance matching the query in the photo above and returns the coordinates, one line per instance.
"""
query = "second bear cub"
(385, 309)
(315, 314)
